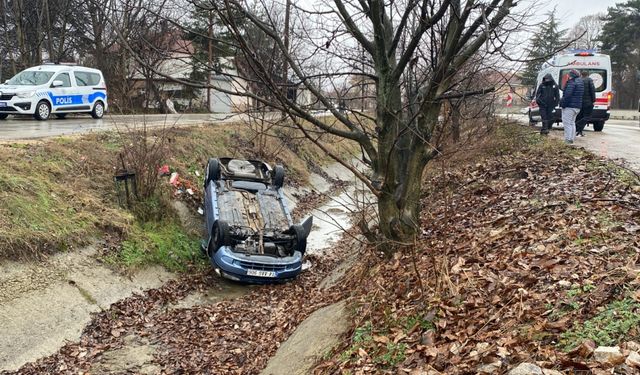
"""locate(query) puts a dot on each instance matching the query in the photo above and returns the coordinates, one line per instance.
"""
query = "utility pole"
(50, 42)
(4, 53)
(210, 66)
(285, 63)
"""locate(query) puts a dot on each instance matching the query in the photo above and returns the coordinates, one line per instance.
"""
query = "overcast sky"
(570, 11)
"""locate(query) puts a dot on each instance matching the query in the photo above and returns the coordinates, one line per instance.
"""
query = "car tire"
(43, 111)
(98, 110)
(61, 116)
(598, 126)
(532, 122)
(3, 116)
(301, 238)
(221, 236)
(278, 177)
(213, 171)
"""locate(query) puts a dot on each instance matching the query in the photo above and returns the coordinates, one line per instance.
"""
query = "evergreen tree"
(198, 33)
(621, 40)
(544, 44)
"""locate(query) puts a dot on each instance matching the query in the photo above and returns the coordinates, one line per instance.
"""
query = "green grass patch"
(618, 320)
(418, 319)
(42, 216)
(580, 290)
(383, 354)
(161, 243)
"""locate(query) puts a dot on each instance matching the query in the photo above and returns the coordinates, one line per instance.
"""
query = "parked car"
(54, 89)
(251, 236)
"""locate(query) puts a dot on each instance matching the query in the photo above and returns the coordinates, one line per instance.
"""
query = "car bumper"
(238, 267)
(17, 106)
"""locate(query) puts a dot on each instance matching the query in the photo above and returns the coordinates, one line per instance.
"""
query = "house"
(168, 68)
(508, 83)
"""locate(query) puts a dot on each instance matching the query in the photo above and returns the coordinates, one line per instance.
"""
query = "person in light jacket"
(571, 104)
(547, 97)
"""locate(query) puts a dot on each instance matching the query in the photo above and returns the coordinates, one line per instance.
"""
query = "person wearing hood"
(547, 97)
(571, 104)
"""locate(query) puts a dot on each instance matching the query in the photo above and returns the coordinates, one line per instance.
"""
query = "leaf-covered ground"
(525, 253)
(234, 336)
(528, 248)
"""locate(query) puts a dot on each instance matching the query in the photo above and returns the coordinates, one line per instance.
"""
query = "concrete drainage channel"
(43, 305)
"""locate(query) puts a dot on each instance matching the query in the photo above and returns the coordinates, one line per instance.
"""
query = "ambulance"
(57, 89)
(598, 66)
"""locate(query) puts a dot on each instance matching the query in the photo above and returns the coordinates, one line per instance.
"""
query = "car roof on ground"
(61, 68)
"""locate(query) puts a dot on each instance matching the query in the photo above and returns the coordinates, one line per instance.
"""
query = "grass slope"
(59, 194)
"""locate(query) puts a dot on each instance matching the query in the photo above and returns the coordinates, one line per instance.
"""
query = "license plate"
(261, 273)
(3, 104)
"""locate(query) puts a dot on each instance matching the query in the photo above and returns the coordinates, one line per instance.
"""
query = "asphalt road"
(16, 128)
(620, 139)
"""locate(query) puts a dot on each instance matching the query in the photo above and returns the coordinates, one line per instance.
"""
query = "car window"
(64, 77)
(31, 77)
(87, 78)
(598, 76)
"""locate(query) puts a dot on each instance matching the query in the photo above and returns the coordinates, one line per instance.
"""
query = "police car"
(54, 89)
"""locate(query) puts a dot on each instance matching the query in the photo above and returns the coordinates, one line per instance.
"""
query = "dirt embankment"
(529, 255)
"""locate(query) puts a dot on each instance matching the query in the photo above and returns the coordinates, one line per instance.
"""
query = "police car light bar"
(584, 54)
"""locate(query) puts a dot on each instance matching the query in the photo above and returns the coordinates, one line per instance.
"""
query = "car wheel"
(532, 122)
(301, 238)
(213, 171)
(598, 126)
(221, 236)
(98, 110)
(278, 177)
(3, 116)
(43, 110)
(61, 116)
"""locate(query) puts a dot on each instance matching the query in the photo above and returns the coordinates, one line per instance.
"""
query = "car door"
(84, 87)
(62, 98)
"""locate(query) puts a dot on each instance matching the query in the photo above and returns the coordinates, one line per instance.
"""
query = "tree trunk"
(404, 152)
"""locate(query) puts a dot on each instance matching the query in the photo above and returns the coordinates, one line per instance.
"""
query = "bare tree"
(415, 53)
(585, 34)
(412, 49)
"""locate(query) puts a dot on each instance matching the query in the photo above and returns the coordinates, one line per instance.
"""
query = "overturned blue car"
(251, 236)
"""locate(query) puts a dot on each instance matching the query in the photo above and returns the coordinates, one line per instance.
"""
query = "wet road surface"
(16, 128)
(619, 139)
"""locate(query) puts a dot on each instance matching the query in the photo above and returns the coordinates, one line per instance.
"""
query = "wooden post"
(210, 65)
(285, 63)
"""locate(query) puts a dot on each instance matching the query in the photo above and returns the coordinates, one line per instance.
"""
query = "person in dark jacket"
(547, 97)
(588, 98)
(571, 103)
